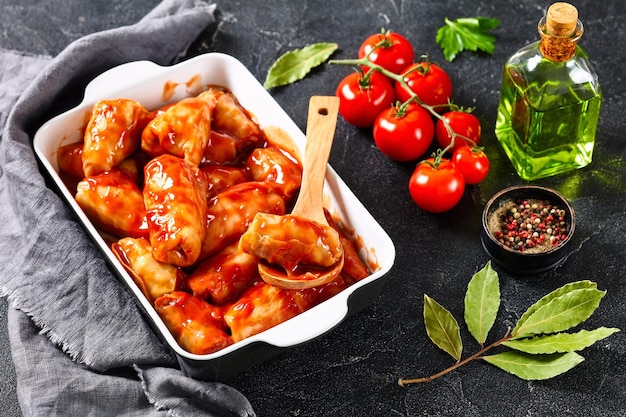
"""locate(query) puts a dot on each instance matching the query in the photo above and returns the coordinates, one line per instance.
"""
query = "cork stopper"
(561, 19)
(560, 30)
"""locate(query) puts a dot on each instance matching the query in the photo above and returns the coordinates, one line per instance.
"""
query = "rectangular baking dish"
(153, 86)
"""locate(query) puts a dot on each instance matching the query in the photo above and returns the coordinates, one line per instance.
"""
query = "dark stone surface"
(353, 370)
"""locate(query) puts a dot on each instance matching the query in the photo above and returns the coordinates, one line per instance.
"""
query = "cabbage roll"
(175, 198)
(113, 203)
(113, 133)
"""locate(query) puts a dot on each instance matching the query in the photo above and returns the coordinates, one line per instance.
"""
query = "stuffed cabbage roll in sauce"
(224, 276)
(113, 133)
(233, 123)
(181, 130)
(175, 199)
(276, 166)
(230, 212)
(197, 325)
(114, 203)
(263, 306)
(153, 278)
(291, 241)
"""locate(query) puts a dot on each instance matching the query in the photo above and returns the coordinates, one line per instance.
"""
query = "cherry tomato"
(429, 81)
(404, 135)
(472, 162)
(436, 189)
(362, 97)
(390, 50)
(462, 123)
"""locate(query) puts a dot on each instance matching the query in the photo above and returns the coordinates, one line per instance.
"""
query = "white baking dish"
(154, 86)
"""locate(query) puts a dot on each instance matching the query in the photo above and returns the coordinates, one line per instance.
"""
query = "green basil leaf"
(534, 367)
(294, 65)
(560, 342)
(549, 297)
(442, 328)
(466, 34)
(561, 313)
(482, 301)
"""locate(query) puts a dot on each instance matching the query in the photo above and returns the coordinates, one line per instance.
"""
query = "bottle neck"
(559, 48)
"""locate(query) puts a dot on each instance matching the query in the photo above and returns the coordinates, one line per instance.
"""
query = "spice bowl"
(527, 229)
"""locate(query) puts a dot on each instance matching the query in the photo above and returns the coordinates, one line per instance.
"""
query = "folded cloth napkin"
(79, 343)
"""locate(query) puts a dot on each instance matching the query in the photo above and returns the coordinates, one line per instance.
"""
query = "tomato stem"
(383, 43)
(399, 78)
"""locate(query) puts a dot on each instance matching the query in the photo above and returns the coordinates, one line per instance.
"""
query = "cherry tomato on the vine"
(362, 97)
(472, 162)
(462, 123)
(429, 81)
(436, 189)
(404, 134)
(390, 50)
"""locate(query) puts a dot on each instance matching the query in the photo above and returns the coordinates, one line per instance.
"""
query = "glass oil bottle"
(549, 100)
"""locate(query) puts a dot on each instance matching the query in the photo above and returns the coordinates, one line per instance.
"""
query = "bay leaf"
(442, 328)
(560, 313)
(482, 301)
(294, 65)
(550, 296)
(561, 342)
(534, 367)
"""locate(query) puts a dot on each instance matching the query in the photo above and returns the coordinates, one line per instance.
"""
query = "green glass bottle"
(549, 100)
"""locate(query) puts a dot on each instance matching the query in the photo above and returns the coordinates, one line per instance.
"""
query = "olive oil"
(549, 102)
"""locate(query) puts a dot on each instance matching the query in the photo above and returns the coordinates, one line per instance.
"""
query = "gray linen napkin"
(79, 343)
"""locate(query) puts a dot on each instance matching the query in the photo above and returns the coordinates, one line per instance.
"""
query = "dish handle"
(122, 78)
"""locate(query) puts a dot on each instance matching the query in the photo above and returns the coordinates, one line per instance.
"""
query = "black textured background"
(352, 371)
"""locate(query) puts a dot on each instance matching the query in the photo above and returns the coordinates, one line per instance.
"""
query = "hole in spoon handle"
(323, 111)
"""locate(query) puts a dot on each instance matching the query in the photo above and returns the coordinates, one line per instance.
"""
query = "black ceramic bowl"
(550, 237)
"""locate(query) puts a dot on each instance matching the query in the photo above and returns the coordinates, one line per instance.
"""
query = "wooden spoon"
(321, 122)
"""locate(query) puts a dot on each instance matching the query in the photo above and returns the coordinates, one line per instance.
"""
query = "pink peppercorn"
(531, 224)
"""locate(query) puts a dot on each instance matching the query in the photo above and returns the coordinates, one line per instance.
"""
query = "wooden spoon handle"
(321, 123)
